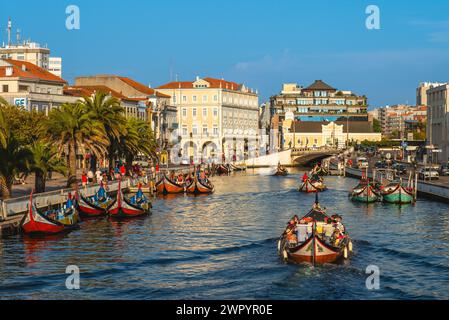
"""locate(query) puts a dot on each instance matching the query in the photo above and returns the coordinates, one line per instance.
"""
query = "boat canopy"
(317, 215)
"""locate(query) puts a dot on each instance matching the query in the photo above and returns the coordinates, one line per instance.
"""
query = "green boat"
(365, 192)
(396, 193)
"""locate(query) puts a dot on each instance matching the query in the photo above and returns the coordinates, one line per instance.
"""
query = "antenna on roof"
(9, 31)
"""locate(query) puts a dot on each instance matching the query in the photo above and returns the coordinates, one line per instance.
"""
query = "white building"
(438, 119)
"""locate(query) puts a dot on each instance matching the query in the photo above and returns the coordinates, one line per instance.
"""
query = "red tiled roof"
(142, 88)
(24, 69)
(83, 91)
(177, 85)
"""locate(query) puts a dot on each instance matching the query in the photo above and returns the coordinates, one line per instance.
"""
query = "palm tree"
(138, 139)
(72, 130)
(15, 160)
(107, 110)
(45, 159)
(3, 129)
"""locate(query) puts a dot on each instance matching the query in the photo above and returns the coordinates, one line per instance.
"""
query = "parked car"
(444, 170)
(400, 168)
(428, 174)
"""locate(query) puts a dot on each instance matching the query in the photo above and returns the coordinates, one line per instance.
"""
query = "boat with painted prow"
(126, 208)
(316, 239)
(167, 186)
(396, 193)
(199, 187)
(312, 186)
(39, 223)
(365, 192)
(95, 206)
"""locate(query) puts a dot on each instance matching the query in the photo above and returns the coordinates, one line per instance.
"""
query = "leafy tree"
(377, 126)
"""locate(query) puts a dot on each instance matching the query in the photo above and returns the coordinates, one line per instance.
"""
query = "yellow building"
(216, 117)
(314, 134)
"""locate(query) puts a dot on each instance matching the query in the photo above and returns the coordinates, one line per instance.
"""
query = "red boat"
(317, 241)
(88, 208)
(122, 208)
(167, 186)
(198, 187)
(37, 223)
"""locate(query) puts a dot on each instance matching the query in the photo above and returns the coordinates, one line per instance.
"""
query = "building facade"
(319, 102)
(31, 87)
(421, 92)
(218, 119)
(158, 111)
(438, 119)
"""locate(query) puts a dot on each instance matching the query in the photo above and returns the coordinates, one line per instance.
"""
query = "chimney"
(197, 78)
(9, 71)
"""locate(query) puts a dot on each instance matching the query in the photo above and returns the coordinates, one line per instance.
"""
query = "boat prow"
(166, 186)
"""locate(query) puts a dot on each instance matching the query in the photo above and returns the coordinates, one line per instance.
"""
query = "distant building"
(216, 118)
(34, 88)
(400, 119)
(438, 119)
(421, 92)
(319, 102)
(31, 52)
(315, 134)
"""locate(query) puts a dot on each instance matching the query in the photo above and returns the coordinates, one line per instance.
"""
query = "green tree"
(107, 110)
(376, 126)
(72, 130)
(45, 159)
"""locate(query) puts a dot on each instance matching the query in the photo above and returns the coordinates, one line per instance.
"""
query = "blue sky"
(259, 43)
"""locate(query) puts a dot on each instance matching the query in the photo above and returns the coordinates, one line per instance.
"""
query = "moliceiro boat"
(312, 186)
(396, 193)
(365, 192)
(281, 171)
(136, 206)
(51, 222)
(316, 238)
(320, 170)
(167, 186)
(95, 206)
(200, 187)
(223, 169)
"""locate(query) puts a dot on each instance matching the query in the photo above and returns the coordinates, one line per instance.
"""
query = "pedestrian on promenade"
(84, 180)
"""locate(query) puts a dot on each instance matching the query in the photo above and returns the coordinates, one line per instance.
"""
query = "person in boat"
(101, 195)
(84, 179)
(180, 179)
(305, 177)
(291, 237)
(189, 179)
(203, 177)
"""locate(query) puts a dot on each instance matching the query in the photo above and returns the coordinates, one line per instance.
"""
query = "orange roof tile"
(83, 91)
(24, 69)
(142, 88)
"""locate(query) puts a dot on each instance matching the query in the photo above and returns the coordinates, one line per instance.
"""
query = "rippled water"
(224, 247)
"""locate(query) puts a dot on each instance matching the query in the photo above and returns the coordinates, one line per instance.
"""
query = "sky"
(256, 42)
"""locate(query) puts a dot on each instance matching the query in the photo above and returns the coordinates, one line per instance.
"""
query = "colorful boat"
(365, 192)
(320, 170)
(318, 239)
(125, 208)
(312, 186)
(167, 186)
(38, 223)
(281, 171)
(223, 169)
(396, 193)
(95, 206)
(238, 168)
(199, 187)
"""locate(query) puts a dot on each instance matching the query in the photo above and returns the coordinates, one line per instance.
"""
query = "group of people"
(186, 179)
(332, 231)
(115, 173)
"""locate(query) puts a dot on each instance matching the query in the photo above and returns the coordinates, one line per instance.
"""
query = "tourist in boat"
(305, 177)
(291, 237)
(122, 170)
(203, 177)
(189, 179)
(180, 179)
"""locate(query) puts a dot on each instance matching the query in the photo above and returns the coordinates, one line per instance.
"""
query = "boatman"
(305, 177)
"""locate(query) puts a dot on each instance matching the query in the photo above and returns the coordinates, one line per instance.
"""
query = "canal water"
(223, 246)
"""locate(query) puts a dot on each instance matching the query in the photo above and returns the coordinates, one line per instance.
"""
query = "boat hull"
(165, 186)
(196, 187)
(365, 195)
(87, 209)
(314, 251)
(312, 187)
(123, 209)
(35, 223)
(398, 196)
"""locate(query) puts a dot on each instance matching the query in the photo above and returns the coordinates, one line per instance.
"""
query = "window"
(215, 112)
(184, 112)
(216, 130)
(174, 99)
(184, 130)
(215, 98)
(194, 98)
(205, 129)
(5, 88)
(204, 112)
(194, 112)
(205, 98)
(194, 130)
(184, 98)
